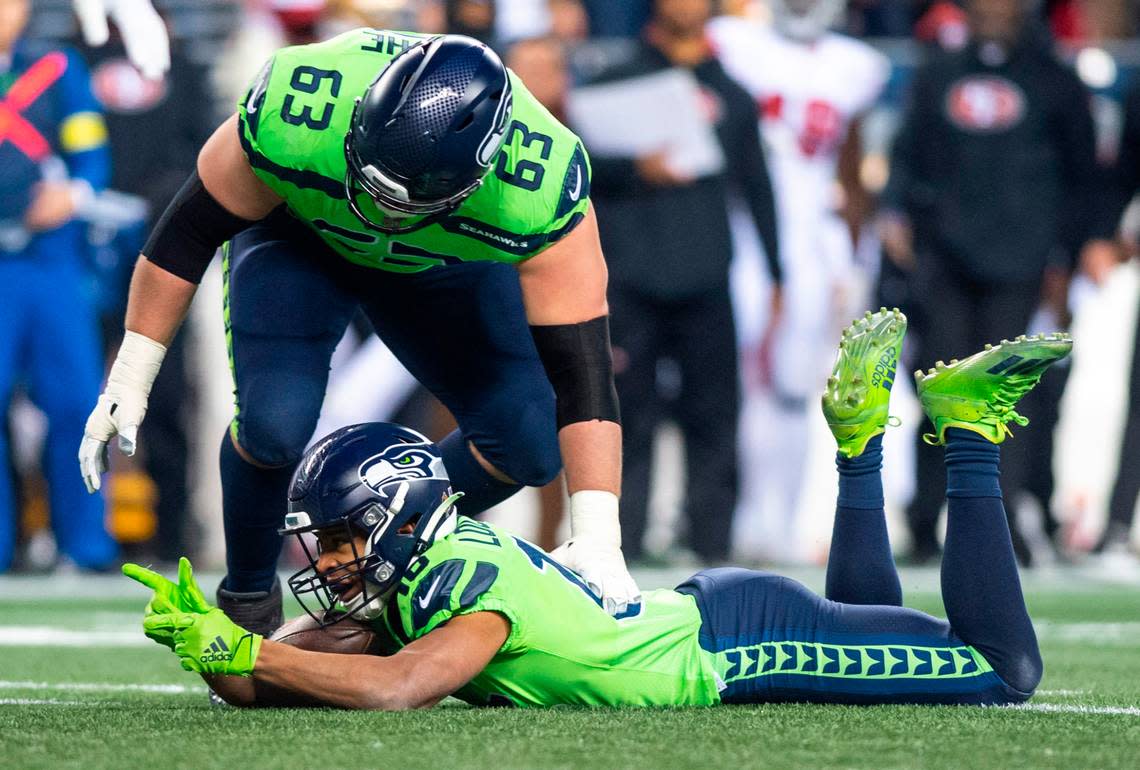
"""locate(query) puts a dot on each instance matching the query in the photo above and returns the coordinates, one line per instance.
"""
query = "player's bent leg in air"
(285, 312)
(774, 640)
(860, 566)
(971, 403)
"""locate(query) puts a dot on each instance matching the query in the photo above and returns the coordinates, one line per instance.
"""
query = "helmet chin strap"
(368, 607)
(441, 523)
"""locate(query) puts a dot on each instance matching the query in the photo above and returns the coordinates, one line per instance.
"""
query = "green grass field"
(80, 687)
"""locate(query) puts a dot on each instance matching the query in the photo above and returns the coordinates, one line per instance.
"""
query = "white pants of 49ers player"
(780, 420)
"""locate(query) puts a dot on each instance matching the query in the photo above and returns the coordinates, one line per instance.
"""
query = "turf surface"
(79, 689)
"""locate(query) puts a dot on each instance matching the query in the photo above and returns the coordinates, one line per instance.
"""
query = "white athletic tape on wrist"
(594, 517)
(136, 365)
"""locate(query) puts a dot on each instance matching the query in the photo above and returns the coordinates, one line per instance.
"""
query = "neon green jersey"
(292, 125)
(563, 648)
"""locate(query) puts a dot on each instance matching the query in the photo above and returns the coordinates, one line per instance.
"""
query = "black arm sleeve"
(749, 170)
(191, 229)
(579, 364)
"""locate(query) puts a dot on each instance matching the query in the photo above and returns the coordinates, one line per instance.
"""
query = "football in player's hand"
(346, 637)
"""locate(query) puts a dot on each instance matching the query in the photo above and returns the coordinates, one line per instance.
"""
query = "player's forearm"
(248, 692)
(157, 302)
(328, 679)
(234, 690)
(591, 456)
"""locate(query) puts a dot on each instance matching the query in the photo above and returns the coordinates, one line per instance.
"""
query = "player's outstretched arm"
(418, 676)
(564, 290)
(221, 198)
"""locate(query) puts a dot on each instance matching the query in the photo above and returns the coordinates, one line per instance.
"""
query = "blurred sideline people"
(138, 110)
(474, 18)
(668, 246)
(266, 26)
(618, 19)
(1099, 258)
(141, 29)
(992, 177)
(810, 88)
(53, 158)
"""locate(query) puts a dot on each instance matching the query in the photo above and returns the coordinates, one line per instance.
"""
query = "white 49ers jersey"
(806, 96)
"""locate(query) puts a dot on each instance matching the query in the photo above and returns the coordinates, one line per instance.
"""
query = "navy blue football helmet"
(426, 132)
(368, 480)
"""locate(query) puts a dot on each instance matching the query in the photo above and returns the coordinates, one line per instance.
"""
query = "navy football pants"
(461, 330)
(774, 640)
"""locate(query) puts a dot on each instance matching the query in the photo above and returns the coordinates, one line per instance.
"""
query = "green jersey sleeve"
(456, 581)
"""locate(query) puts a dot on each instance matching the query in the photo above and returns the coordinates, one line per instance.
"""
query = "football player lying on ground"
(464, 608)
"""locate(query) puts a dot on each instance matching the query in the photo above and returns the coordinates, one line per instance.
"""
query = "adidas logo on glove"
(218, 651)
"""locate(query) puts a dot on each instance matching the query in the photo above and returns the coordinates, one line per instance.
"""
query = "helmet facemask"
(399, 213)
(320, 593)
(438, 151)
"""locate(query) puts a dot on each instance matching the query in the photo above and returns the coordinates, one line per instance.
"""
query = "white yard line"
(37, 588)
(165, 689)
(114, 629)
(178, 689)
(46, 702)
(47, 636)
(1095, 634)
(1060, 693)
(1069, 708)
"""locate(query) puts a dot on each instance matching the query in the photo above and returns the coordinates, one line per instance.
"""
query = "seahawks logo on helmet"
(401, 461)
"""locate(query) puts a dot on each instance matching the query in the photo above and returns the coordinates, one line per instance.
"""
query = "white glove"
(143, 31)
(121, 408)
(594, 550)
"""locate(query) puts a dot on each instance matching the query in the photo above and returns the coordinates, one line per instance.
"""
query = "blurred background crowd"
(762, 171)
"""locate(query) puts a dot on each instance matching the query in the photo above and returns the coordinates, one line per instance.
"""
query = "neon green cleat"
(979, 393)
(859, 389)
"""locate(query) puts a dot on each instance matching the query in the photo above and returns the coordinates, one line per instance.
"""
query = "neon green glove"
(182, 597)
(208, 643)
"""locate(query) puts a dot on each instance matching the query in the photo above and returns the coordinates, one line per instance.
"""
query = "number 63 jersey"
(563, 648)
(293, 122)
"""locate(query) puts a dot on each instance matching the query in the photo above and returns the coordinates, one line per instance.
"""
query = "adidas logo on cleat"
(884, 373)
(1015, 364)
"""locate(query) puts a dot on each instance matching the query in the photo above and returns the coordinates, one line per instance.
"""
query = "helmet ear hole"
(411, 524)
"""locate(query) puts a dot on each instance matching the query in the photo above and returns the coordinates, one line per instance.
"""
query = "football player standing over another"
(811, 87)
(405, 174)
